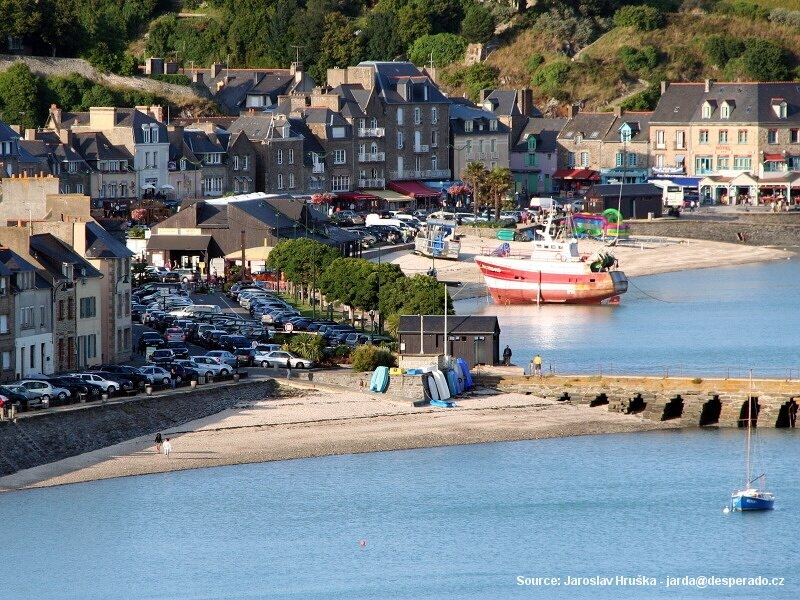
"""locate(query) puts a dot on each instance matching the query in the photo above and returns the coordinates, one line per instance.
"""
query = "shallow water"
(455, 522)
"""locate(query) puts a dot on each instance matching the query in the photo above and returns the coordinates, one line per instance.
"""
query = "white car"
(205, 365)
(108, 385)
(223, 357)
(281, 358)
(156, 374)
(44, 390)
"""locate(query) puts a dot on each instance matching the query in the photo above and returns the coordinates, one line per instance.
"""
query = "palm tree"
(475, 175)
(498, 182)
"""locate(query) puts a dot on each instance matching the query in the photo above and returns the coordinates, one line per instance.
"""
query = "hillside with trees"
(597, 53)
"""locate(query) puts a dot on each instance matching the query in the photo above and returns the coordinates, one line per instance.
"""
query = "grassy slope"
(597, 77)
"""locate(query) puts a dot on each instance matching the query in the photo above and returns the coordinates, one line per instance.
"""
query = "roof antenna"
(297, 64)
(432, 60)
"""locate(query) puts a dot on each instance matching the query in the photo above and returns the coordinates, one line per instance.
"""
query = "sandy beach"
(310, 420)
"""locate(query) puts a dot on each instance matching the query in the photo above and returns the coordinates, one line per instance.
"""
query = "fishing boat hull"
(752, 500)
(512, 280)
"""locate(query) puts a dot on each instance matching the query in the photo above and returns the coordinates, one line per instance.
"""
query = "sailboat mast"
(749, 430)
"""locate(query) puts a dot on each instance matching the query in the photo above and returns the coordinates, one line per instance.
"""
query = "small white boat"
(438, 240)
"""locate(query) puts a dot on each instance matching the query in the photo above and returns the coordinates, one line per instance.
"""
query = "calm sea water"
(443, 523)
(713, 322)
(464, 522)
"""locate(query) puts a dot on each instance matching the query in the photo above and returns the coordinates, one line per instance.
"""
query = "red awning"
(585, 174)
(774, 158)
(413, 188)
(352, 196)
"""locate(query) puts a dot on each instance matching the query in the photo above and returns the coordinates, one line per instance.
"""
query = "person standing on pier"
(537, 365)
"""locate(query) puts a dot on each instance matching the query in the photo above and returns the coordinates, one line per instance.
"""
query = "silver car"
(45, 390)
(281, 358)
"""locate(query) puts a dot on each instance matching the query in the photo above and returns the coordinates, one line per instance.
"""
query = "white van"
(539, 204)
(187, 312)
(375, 219)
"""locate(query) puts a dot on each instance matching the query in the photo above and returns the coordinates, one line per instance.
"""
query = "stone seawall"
(755, 229)
(45, 438)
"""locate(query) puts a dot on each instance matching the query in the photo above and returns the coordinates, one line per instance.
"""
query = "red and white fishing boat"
(555, 271)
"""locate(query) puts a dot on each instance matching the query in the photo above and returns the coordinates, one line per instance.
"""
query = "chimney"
(30, 135)
(55, 113)
(525, 101)
(664, 86)
(197, 77)
(484, 94)
(617, 111)
(708, 85)
(572, 111)
(216, 69)
(157, 112)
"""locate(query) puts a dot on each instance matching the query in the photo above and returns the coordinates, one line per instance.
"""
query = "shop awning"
(353, 196)
(774, 158)
(414, 189)
(584, 174)
(178, 242)
(392, 196)
(259, 253)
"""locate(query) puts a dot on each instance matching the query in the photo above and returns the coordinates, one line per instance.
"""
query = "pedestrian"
(537, 365)
(167, 447)
(507, 356)
(159, 443)
(173, 376)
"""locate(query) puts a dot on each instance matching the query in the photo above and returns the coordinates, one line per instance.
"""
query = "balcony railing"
(372, 157)
(431, 174)
(371, 183)
(371, 131)
(318, 168)
(422, 148)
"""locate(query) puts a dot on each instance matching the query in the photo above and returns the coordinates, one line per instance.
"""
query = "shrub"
(635, 60)
(535, 61)
(478, 24)
(763, 60)
(369, 358)
(785, 17)
(563, 22)
(551, 77)
(641, 18)
(478, 77)
(748, 10)
(445, 47)
(721, 48)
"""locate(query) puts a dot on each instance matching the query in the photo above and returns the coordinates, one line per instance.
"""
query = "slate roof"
(257, 126)
(388, 75)
(593, 126)
(459, 113)
(199, 142)
(7, 134)
(51, 253)
(101, 244)
(95, 146)
(14, 261)
(352, 100)
(546, 132)
(460, 324)
(639, 123)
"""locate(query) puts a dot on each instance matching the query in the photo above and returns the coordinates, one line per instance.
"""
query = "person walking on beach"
(537, 365)
(159, 443)
(507, 356)
(167, 447)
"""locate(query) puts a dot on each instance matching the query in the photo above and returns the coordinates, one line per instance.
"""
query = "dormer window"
(708, 108)
(154, 134)
(579, 138)
(779, 107)
(493, 125)
(531, 143)
(145, 134)
(183, 164)
(725, 109)
(286, 130)
(468, 126)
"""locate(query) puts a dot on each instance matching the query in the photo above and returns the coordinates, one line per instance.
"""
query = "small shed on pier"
(476, 339)
(633, 200)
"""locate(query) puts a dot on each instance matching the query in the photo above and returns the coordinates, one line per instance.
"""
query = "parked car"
(186, 275)
(223, 356)
(281, 358)
(24, 399)
(245, 356)
(46, 391)
(183, 372)
(127, 372)
(174, 334)
(76, 387)
(161, 356)
(179, 349)
(210, 363)
(123, 384)
(155, 374)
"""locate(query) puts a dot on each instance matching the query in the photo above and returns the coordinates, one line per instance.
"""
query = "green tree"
(417, 295)
(478, 24)
(474, 175)
(764, 60)
(445, 48)
(19, 96)
(301, 260)
(722, 48)
(645, 100)
(308, 346)
(642, 59)
(97, 95)
(498, 183)
(478, 77)
(342, 44)
(382, 43)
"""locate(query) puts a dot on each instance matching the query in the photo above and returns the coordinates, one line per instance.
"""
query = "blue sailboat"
(752, 496)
